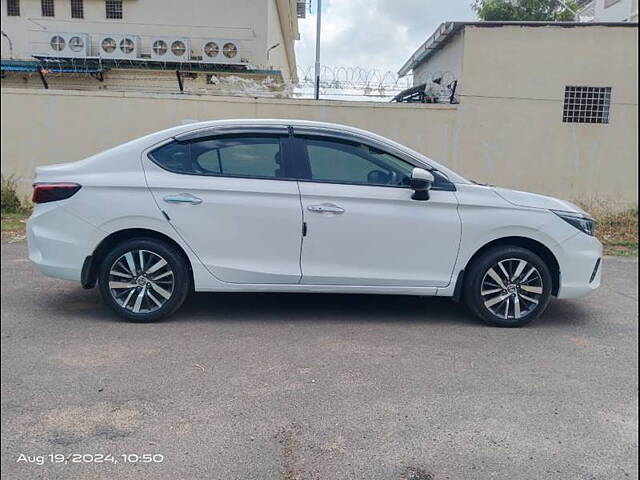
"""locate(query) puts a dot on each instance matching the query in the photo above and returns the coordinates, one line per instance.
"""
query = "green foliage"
(10, 201)
(616, 228)
(525, 10)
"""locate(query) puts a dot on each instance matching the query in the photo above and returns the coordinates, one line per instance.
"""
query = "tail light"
(52, 192)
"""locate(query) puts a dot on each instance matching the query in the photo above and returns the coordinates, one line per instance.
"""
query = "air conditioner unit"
(73, 45)
(215, 50)
(118, 46)
(171, 49)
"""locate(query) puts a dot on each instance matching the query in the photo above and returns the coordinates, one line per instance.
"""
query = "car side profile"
(297, 206)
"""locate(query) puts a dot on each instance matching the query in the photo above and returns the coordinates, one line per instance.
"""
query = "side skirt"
(298, 288)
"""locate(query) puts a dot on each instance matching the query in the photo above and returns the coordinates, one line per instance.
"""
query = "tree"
(525, 10)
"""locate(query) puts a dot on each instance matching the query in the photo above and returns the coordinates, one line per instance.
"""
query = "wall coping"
(226, 99)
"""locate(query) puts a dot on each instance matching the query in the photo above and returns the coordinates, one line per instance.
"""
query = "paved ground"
(241, 386)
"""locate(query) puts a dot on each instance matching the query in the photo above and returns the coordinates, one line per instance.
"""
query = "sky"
(379, 34)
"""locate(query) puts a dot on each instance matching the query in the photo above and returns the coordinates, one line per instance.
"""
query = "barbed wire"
(347, 77)
(439, 86)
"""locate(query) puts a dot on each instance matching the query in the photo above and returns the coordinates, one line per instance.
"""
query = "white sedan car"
(298, 206)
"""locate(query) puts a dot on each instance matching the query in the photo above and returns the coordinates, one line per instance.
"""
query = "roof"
(447, 30)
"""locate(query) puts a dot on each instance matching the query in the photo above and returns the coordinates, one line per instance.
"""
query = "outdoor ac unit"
(216, 50)
(171, 49)
(118, 46)
(74, 45)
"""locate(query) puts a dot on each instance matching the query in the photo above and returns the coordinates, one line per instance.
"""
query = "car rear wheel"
(508, 286)
(144, 279)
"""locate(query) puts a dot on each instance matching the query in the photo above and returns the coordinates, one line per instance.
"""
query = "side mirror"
(421, 181)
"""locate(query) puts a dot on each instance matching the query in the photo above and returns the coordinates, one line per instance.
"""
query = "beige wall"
(509, 128)
(538, 62)
(512, 94)
(504, 142)
(448, 59)
(523, 144)
(43, 127)
(277, 55)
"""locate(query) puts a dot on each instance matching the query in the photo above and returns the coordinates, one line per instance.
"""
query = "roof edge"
(447, 30)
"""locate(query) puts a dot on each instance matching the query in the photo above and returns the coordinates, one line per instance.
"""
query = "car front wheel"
(144, 279)
(508, 286)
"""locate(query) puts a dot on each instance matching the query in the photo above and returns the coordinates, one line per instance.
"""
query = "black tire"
(498, 305)
(152, 289)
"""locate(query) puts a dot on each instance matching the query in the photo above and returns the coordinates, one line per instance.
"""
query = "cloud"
(374, 34)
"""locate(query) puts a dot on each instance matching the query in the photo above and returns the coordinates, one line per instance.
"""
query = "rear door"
(363, 227)
(228, 196)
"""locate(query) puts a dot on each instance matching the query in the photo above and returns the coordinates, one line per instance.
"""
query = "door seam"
(302, 237)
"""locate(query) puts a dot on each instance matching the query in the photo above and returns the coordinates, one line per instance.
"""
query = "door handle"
(183, 198)
(326, 208)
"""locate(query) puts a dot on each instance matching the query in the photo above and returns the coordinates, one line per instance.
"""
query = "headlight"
(582, 222)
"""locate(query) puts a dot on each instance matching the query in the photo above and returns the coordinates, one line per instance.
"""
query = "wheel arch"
(92, 263)
(530, 244)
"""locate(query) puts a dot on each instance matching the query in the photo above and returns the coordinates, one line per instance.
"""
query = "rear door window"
(251, 156)
(173, 156)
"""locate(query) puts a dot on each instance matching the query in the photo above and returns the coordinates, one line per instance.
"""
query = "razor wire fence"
(374, 84)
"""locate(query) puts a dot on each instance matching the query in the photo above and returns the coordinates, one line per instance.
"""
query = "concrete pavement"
(296, 386)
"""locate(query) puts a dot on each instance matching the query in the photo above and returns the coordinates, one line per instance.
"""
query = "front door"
(363, 228)
(228, 198)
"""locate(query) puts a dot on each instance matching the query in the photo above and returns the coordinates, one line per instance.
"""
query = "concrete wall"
(44, 127)
(500, 141)
(244, 20)
(509, 126)
(157, 81)
(277, 55)
(538, 62)
(448, 59)
(512, 95)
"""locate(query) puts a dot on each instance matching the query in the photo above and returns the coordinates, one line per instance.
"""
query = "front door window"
(337, 161)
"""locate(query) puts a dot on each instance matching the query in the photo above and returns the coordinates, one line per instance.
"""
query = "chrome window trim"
(208, 132)
(205, 133)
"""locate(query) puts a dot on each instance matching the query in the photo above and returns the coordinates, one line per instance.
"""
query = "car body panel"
(383, 237)
(487, 216)
(245, 230)
(533, 200)
(59, 252)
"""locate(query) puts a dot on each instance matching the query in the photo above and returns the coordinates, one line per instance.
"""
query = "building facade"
(608, 11)
(151, 45)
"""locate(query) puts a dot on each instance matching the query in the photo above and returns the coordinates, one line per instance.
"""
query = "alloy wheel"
(512, 288)
(141, 281)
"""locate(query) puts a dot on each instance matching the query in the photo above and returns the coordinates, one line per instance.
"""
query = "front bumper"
(580, 260)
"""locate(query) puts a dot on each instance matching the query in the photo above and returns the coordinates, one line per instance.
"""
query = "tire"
(156, 289)
(508, 286)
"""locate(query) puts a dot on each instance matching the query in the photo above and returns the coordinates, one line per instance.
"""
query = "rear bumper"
(580, 260)
(59, 241)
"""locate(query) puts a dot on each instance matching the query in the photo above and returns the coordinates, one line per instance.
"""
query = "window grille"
(13, 8)
(77, 9)
(48, 8)
(586, 104)
(113, 8)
